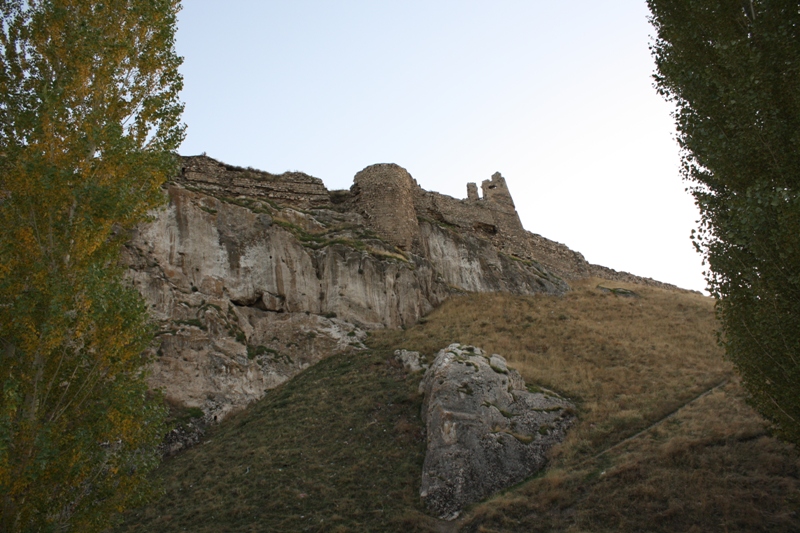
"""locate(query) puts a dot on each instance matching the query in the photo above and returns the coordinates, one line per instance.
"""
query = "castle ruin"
(239, 262)
(392, 204)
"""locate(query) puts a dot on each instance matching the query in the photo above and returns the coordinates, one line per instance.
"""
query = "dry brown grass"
(630, 363)
(627, 361)
(711, 467)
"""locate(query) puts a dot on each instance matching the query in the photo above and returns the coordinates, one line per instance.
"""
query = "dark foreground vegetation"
(664, 441)
(89, 121)
(732, 71)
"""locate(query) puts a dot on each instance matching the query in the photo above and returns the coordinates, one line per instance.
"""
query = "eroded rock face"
(485, 430)
(255, 276)
(243, 305)
(475, 265)
(249, 291)
(279, 260)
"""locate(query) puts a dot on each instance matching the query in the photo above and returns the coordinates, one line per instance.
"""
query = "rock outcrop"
(412, 361)
(254, 276)
(485, 430)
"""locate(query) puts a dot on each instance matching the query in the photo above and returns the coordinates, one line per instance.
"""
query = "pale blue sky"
(557, 96)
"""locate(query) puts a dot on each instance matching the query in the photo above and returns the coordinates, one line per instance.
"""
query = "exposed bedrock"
(485, 430)
(249, 292)
(254, 276)
(474, 264)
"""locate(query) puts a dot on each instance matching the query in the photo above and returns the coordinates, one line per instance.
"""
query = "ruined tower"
(386, 199)
(495, 191)
(472, 192)
(498, 199)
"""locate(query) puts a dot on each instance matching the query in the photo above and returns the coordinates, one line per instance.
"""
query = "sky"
(556, 96)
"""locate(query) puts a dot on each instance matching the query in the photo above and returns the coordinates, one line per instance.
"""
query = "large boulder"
(485, 430)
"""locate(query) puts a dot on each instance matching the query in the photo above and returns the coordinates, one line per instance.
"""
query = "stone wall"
(384, 194)
(493, 214)
(472, 192)
(492, 217)
(467, 215)
(294, 189)
(495, 190)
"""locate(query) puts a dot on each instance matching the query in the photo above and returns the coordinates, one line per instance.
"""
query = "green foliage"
(192, 322)
(255, 351)
(194, 412)
(89, 115)
(248, 203)
(733, 71)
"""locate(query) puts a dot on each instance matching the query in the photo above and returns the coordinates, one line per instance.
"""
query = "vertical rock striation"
(254, 276)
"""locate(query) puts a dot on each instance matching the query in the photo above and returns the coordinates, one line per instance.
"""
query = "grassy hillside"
(664, 441)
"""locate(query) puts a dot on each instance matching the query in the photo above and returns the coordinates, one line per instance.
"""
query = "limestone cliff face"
(473, 264)
(254, 276)
(282, 260)
(252, 281)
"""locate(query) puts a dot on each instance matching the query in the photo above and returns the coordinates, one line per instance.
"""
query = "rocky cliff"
(254, 276)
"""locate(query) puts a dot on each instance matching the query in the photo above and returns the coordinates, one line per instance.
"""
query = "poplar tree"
(89, 121)
(732, 68)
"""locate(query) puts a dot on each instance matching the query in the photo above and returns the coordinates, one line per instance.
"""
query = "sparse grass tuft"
(192, 322)
(256, 206)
